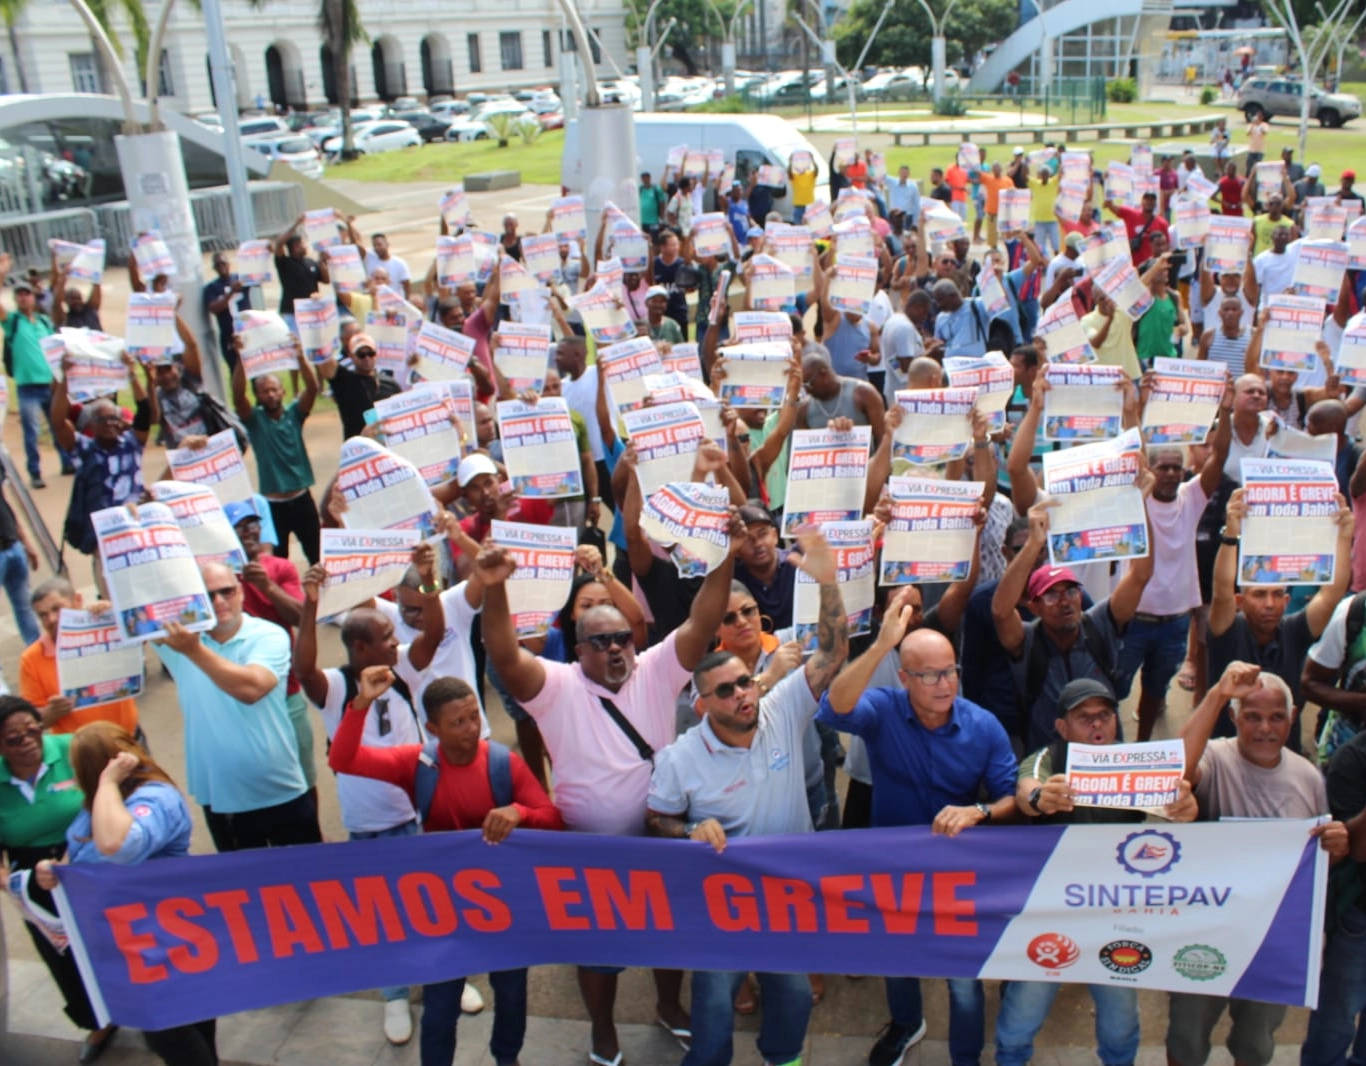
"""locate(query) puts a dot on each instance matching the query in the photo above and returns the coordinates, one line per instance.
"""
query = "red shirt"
(257, 604)
(463, 796)
(857, 173)
(532, 512)
(1230, 196)
(1134, 222)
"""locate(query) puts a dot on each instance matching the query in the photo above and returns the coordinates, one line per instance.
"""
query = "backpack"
(1036, 669)
(1335, 730)
(10, 326)
(217, 417)
(87, 497)
(352, 684)
(428, 770)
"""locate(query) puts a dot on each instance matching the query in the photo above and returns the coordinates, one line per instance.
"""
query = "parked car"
(895, 84)
(474, 126)
(295, 149)
(405, 103)
(551, 120)
(1265, 97)
(448, 109)
(428, 126)
(262, 125)
(386, 135)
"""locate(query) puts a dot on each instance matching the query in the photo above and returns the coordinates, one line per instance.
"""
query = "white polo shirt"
(755, 791)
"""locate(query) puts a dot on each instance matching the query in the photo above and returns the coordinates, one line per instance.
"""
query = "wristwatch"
(985, 811)
(1224, 538)
(1034, 796)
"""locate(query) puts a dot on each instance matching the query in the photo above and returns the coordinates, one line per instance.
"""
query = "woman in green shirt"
(1165, 319)
(39, 798)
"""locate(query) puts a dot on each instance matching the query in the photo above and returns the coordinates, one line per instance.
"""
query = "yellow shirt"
(1262, 228)
(1043, 198)
(1118, 347)
(803, 189)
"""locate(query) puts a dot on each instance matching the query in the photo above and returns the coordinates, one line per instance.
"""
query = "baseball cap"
(752, 232)
(737, 184)
(754, 516)
(361, 340)
(1045, 577)
(1019, 151)
(1313, 170)
(1078, 691)
(472, 466)
(239, 511)
(656, 290)
(1349, 175)
(1074, 240)
(22, 286)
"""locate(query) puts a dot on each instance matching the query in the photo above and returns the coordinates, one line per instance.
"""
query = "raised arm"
(522, 672)
(1006, 599)
(433, 629)
(1320, 609)
(309, 377)
(815, 556)
(694, 636)
(246, 682)
(313, 680)
(1223, 608)
(1213, 471)
(854, 680)
(1024, 488)
(1124, 600)
(1239, 680)
(62, 428)
(240, 401)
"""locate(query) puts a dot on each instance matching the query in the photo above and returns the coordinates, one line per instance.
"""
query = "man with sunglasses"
(932, 755)
(603, 718)
(357, 388)
(241, 753)
(371, 808)
(740, 773)
(1063, 641)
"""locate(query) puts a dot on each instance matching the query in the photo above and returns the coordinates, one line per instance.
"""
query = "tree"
(695, 23)
(12, 10)
(339, 23)
(905, 37)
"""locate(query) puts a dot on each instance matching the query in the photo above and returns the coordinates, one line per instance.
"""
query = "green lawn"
(539, 162)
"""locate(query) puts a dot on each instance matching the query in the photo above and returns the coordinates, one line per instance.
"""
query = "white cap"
(1019, 151)
(656, 290)
(1313, 171)
(472, 466)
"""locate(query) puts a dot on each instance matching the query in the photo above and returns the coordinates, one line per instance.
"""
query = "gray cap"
(1077, 692)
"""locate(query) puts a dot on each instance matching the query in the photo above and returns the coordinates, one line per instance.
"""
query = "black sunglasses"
(18, 740)
(726, 689)
(607, 641)
(225, 593)
(731, 617)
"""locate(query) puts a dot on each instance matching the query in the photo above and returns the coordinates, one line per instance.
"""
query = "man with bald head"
(603, 718)
(241, 753)
(831, 396)
(932, 755)
(1249, 436)
(371, 808)
(1328, 418)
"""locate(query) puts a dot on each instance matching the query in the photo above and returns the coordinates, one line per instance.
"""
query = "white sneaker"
(398, 1021)
(471, 1002)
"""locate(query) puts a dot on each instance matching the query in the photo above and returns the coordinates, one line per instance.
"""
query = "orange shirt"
(957, 180)
(38, 684)
(993, 186)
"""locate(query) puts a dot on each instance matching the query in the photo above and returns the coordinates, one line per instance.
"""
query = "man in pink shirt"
(602, 719)
(1155, 642)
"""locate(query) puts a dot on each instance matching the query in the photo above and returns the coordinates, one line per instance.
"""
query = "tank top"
(1231, 351)
(819, 413)
(846, 342)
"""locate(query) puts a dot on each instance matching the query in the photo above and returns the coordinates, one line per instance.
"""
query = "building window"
(475, 65)
(547, 53)
(165, 83)
(510, 46)
(594, 37)
(85, 73)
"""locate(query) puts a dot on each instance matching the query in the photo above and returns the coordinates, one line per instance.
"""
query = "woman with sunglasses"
(129, 811)
(38, 801)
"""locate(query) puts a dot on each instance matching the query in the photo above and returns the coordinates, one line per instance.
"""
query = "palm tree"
(339, 24)
(12, 10)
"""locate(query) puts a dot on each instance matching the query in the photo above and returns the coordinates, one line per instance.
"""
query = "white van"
(748, 141)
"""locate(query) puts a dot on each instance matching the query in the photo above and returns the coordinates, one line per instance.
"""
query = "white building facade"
(417, 48)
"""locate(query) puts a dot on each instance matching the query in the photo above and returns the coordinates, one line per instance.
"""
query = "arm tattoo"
(832, 640)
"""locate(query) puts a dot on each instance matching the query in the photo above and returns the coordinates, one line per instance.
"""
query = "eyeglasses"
(607, 641)
(225, 593)
(1099, 718)
(364, 353)
(731, 617)
(930, 678)
(726, 689)
(18, 740)
(1055, 595)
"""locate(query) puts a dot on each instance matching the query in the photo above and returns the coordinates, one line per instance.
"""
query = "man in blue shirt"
(963, 325)
(932, 755)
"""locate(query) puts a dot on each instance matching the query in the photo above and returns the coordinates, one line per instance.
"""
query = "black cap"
(753, 516)
(1077, 692)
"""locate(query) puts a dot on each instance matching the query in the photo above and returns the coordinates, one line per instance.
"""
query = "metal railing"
(25, 237)
(275, 205)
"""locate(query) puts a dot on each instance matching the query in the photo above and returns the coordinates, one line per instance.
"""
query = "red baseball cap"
(1045, 577)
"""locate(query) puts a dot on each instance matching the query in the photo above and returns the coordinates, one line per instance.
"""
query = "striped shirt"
(1231, 351)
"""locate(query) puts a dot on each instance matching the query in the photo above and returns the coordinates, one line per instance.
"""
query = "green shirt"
(667, 330)
(282, 462)
(651, 200)
(40, 821)
(25, 335)
(775, 481)
(1154, 335)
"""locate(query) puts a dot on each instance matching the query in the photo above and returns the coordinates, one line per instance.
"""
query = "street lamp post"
(938, 45)
(728, 42)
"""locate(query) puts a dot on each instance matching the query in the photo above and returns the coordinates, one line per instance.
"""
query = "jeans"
(441, 1014)
(1025, 1006)
(1157, 648)
(1342, 994)
(14, 575)
(407, 829)
(35, 404)
(782, 1033)
(1047, 238)
(798, 213)
(967, 1014)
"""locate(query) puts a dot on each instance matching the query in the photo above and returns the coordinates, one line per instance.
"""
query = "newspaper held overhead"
(1100, 513)
(539, 448)
(346, 268)
(93, 364)
(151, 256)
(254, 263)
(538, 588)
(772, 285)
(1285, 442)
(456, 262)
(149, 328)
(95, 663)
(322, 228)
(1184, 400)
(1290, 533)
(1083, 402)
(317, 322)
(455, 208)
(443, 354)
(1294, 325)
(218, 465)
(1062, 333)
(151, 573)
(854, 556)
(362, 564)
(382, 491)
(199, 513)
(994, 379)
(267, 344)
(420, 426)
(932, 535)
(625, 366)
(853, 284)
(1351, 357)
(936, 426)
(692, 520)
(827, 474)
(523, 355)
(604, 315)
(1319, 270)
(569, 219)
(1226, 244)
(683, 359)
(665, 437)
(756, 374)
